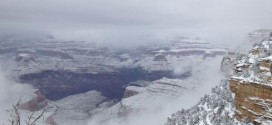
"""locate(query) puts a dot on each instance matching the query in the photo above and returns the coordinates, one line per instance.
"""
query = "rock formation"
(228, 62)
(249, 78)
(36, 103)
(130, 91)
(50, 120)
(252, 85)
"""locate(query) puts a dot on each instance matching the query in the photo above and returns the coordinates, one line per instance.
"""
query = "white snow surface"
(78, 56)
(256, 72)
(158, 100)
(77, 109)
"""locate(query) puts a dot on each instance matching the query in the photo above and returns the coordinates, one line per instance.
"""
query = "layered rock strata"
(251, 83)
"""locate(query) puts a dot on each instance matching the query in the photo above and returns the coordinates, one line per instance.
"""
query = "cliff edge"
(252, 84)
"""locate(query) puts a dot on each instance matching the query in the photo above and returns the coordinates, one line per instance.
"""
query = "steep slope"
(213, 109)
(249, 79)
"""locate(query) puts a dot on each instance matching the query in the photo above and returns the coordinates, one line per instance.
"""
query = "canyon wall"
(251, 84)
(252, 101)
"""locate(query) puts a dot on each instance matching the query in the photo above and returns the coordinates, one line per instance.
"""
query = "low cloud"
(129, 22)
(10, 92)
(156, 109)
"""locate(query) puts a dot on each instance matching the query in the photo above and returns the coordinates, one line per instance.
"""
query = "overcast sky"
(121, 20)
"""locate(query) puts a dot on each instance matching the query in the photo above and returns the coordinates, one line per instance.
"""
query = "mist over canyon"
(135, 62)
(72, 73)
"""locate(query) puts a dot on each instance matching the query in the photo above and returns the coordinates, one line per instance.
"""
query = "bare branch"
(15, 118)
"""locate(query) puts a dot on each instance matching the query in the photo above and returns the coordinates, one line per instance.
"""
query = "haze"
(122, 21)
(126, 24)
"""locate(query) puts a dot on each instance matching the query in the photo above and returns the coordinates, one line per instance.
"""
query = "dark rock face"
(129, 93)
(159, 58)
(56, 85)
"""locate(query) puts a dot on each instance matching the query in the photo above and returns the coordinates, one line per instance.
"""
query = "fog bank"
(120, 22)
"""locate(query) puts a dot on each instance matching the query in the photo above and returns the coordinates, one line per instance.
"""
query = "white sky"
(121, 21)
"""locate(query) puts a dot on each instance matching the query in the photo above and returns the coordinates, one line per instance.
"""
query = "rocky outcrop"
(159, 57)
(228, 62)
(130, 92)
(50, 120)
(252, 85)
(36, 103)
(252, 101)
